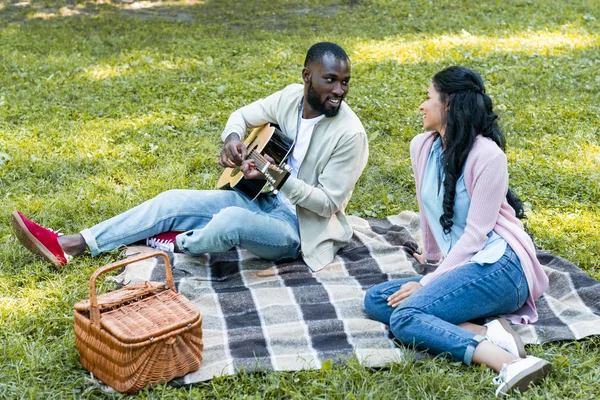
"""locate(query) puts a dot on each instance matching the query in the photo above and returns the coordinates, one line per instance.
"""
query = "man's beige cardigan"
(336, 157)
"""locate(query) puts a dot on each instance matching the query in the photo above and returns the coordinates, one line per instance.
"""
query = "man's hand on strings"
(250, 169)
(233, 153)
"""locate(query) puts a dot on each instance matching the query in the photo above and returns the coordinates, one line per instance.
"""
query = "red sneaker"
(39, 240)
(163, 241)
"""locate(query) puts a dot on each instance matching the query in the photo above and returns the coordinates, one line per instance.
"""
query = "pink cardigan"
(486, 179)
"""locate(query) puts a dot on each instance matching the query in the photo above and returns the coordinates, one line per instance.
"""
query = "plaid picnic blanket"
(283, 317)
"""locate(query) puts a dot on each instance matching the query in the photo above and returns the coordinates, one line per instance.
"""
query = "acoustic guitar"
(267, 139)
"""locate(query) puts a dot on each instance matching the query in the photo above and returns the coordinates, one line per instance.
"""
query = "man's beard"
(315, 103)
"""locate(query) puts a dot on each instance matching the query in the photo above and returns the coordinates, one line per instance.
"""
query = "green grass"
(105, 105)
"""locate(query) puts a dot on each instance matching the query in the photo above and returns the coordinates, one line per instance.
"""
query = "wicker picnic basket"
(139, 334)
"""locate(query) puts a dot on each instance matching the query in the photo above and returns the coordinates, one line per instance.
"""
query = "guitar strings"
(262, 162)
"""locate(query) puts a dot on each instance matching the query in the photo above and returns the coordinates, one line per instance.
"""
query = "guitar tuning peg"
(275, 192)
(287, 168)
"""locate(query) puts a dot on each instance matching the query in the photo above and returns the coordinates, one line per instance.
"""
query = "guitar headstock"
(277, 175)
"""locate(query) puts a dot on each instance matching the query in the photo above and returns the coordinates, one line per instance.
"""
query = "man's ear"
(306, 75)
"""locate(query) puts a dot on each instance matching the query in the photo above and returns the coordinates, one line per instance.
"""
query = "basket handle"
(94, 310)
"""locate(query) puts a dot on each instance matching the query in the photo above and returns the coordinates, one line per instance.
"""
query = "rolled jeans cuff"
(471, 349)
(90, 240)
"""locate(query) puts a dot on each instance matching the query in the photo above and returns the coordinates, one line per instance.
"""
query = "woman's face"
(433, 111)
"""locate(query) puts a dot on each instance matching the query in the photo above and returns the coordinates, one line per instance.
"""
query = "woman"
(468, 217)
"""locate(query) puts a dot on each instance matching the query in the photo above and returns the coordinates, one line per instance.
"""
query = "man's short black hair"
(318, 50)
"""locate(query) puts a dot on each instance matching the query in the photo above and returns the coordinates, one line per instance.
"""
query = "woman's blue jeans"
(212, 221)
(428, 318)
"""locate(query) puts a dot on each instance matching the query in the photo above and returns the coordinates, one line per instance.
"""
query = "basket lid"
(122, 296)
(150, 318)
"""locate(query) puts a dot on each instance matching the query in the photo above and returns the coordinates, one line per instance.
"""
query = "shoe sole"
(31, 243)
(527, 377)
(520, 346)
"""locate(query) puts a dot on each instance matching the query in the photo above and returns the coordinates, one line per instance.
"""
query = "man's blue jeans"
(212, 221)
(428, 318)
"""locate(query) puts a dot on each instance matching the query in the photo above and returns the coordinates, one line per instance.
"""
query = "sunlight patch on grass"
(467, 45)
(571, 232)
(31, 299)
(585, 158)
(136, 5)
(118, 125)
(61, 12)
(106, 71)
(81, 9)
(130, 64)
(591, 155)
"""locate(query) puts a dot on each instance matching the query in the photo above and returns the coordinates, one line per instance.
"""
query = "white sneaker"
(500, 333)
(520, 373)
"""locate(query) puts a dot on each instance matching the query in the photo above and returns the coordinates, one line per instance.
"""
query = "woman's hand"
(403, 293)
(419, 257)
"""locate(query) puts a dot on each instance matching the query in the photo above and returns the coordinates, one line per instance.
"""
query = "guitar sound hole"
(234, 172)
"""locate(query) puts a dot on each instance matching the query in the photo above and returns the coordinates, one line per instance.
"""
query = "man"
(306, 217)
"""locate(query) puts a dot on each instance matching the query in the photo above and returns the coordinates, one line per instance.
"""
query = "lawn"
(105, 104)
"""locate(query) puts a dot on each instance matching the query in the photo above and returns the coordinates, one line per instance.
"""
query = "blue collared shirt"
(432, 193)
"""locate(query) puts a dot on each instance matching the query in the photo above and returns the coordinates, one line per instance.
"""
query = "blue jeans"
(211, 221)
(428, 318)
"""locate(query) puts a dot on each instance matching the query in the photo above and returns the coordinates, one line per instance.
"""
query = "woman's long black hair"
(468, 113)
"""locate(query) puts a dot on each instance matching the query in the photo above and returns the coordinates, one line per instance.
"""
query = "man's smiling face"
(327, 83)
